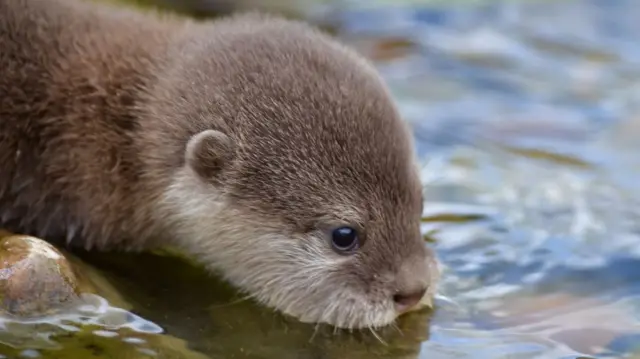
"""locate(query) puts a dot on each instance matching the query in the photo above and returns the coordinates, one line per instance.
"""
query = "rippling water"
(526, 116)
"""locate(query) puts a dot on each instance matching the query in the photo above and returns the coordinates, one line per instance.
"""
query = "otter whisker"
(315, 331)
(395, 326)
(377, 336)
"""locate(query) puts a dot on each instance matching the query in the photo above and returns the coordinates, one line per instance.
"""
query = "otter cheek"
(299, 281)
(338, 298)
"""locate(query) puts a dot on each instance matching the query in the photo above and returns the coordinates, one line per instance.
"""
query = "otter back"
(69, 85)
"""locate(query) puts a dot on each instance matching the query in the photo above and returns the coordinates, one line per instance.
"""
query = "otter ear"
(208, 152)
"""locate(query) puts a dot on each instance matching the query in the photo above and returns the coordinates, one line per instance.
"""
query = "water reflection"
(218, 322)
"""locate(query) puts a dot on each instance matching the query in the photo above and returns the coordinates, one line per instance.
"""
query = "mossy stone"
(36, 279)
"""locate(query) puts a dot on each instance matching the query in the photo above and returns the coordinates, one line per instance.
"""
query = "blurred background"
(526, 115)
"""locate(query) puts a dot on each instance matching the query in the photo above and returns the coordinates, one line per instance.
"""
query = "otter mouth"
(356, 315)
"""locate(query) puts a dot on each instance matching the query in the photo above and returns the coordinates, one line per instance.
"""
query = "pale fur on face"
(298, 276)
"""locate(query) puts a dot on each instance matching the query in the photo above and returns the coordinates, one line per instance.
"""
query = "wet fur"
(100, 111)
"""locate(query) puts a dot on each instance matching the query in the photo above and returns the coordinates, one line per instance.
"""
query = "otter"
(266, 149)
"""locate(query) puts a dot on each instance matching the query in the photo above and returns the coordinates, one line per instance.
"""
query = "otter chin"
(262, 147)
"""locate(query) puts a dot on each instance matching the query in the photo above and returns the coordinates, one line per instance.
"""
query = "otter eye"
(345, 239)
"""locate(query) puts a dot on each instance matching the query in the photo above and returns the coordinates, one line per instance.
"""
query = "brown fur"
(100, 111)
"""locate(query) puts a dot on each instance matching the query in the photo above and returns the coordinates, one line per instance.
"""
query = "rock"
(35, 278)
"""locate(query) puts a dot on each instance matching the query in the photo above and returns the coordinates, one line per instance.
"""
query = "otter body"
(71, 93)
(265, 149)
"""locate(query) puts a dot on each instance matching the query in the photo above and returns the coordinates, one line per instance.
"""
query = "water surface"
(526, 119)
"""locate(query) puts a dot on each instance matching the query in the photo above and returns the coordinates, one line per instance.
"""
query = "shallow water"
(526, 117)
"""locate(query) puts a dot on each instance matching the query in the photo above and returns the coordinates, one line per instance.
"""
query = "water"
(526, 118)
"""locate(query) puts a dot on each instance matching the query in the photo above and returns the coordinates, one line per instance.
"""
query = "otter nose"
(406, 300)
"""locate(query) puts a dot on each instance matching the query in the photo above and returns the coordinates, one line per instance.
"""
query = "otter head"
(296, 179)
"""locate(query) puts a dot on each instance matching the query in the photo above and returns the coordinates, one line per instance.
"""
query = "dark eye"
(345, 239)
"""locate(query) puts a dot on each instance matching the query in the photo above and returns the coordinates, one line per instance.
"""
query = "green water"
(526, 118)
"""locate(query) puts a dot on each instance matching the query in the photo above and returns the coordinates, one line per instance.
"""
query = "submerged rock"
(54, 305)
(36, 279)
